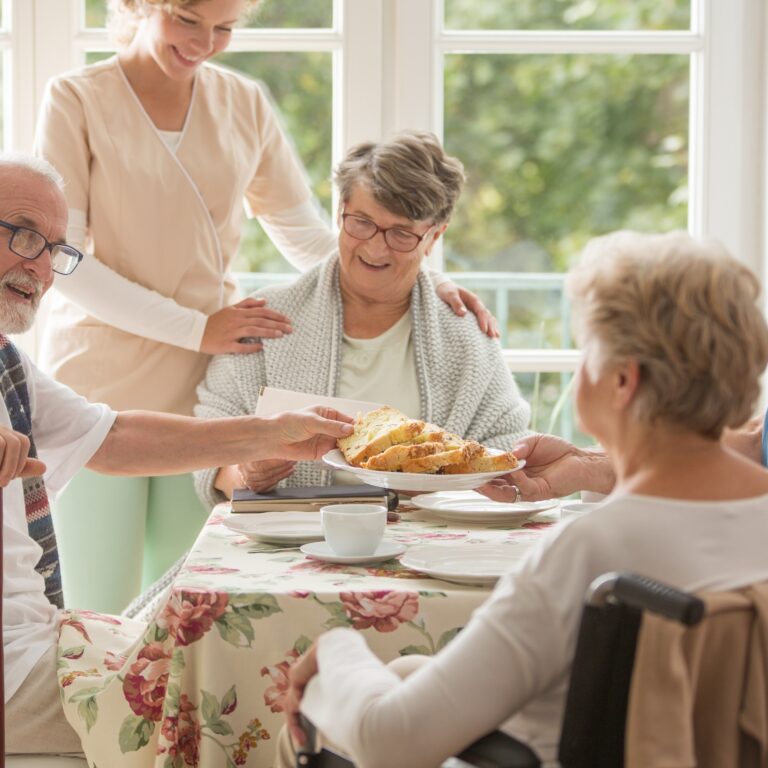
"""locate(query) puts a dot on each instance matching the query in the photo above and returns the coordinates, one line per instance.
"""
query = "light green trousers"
(117, 535)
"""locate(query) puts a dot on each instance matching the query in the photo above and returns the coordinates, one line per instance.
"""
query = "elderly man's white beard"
(16, 317)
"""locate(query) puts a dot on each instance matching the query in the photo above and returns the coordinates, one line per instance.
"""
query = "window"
(5, 89)
(573, 117)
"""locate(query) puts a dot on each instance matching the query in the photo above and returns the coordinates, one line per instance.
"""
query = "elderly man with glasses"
(368, 324)
(47, 433)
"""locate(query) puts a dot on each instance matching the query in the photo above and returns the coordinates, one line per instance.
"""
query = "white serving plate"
(473, 564)
(416, 482)
(472, 507)
(277, 527)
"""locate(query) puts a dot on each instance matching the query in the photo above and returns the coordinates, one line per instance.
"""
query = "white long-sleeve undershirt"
(301, 234)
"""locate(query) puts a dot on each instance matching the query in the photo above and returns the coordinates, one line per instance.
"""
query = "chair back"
(594, 722)
(596, 707)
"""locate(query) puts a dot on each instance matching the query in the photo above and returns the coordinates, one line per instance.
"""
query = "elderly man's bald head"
(14, 163)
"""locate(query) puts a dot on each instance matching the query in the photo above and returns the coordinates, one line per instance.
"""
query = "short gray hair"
(411, 176)
(35, 165)
(684, 310)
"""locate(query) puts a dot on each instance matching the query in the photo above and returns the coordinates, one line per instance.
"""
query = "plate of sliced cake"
(390, 450)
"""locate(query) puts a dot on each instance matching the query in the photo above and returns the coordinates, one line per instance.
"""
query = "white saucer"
(277, 527)
(320, 550)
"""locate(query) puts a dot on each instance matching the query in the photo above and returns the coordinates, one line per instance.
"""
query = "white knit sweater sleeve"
(126, 305)
(503, 416)
(220, 396)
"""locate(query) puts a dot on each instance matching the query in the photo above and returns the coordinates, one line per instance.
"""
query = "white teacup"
(353, 529)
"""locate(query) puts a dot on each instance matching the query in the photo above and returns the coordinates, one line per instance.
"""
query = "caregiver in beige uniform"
(159, 150)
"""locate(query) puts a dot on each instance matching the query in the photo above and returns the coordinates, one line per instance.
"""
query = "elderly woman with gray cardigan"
(368, 324)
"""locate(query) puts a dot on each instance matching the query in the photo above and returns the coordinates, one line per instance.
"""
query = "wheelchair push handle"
(648, 595)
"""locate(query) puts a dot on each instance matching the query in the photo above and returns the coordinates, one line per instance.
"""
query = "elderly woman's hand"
(262, 476)
(299, 675)
(553, 468)
(460, 300)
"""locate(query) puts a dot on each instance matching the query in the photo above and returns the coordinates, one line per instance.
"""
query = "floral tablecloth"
(203, 683)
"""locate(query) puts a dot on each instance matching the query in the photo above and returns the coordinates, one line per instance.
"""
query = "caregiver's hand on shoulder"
(306, 434)
(299, 675)
(14, 457)
(238, 328)
(553, 468)
(263, 476)
(460, 300)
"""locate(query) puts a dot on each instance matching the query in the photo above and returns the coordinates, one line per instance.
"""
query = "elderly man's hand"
(299, 675)
(262, 476)
(306, 434)
(553, 468)
(14, 457)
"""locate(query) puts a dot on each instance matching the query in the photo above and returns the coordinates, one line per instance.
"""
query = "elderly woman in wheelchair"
(674, 346)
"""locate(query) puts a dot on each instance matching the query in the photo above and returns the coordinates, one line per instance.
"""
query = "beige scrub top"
(168, 221)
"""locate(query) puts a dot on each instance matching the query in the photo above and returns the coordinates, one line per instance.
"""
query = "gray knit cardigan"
(464, 384)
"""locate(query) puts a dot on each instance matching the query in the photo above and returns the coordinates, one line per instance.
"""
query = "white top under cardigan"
(509, 667)
(67, 431)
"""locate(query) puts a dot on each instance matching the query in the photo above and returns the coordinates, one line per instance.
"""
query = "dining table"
(202, 681)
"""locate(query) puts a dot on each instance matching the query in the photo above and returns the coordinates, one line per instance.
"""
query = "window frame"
(386, 78)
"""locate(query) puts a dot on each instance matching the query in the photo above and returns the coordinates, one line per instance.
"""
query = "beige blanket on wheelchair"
(699, 695)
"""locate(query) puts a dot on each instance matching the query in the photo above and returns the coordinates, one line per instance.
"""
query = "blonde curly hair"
(123, 16)
(686, 312)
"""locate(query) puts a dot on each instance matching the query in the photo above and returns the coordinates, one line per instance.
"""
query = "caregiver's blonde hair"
(124, 16)
(686, 312)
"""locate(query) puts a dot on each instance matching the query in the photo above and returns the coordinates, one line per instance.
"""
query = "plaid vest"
(13, 390)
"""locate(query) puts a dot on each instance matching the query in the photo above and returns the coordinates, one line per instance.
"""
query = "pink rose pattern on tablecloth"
(211, 569)
(152, 678)
(274, 696)
(188, 615)
(182, 732)
(167, 714)
(383, 610)
(145, 683)
(114, 661)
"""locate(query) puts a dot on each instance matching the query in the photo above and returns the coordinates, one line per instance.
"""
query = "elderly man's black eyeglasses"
(397, 239)
(29, 244)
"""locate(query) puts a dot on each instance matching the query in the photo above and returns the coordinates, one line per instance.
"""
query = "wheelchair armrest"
(495, 750)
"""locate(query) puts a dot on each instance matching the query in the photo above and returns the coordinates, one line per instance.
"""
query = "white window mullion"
(733, 115)
(362, 71)
(416, 66)
(19, 86)
(415, 81)
(56, 24)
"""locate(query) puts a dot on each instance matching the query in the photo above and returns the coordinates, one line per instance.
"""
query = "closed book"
(310, 498)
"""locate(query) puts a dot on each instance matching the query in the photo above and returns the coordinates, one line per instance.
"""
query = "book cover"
(310, 497)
